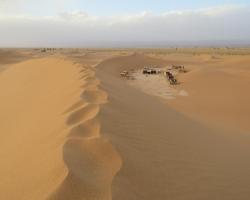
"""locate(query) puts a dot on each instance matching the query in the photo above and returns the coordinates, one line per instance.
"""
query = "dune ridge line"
(91, 160)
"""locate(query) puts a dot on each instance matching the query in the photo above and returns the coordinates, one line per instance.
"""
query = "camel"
(124, 74)
(171, 78)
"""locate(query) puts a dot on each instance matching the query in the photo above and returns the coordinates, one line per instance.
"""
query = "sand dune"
(71, 128)
(135, 61)
(10, 56)
(32, 126)
(51, 146)
(94, 96)
(90, 129)
(218, 93)
(165, 154)
(92, 164)
(91, 160)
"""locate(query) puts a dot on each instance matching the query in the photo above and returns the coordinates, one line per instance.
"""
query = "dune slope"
(166, 155)
(218, 93)
(51, 146)
(33, 96)
(70, 131)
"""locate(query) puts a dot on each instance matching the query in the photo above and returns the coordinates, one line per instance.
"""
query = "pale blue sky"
(108, 7)
(117, 7)
(123, 23)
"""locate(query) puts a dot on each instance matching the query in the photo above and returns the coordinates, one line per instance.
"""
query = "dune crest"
(91, 160)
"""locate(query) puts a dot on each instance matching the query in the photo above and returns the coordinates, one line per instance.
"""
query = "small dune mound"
(87, 70)
(92, 160)
(83, 77)
(94, 96)
(87, 74)
(92, 164)
(76, 105)
(88, 129)
(90, 82)
(83, 114)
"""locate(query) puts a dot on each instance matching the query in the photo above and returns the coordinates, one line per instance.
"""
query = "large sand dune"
(50, 138)
(165, 154)
(218, 92)
(32, 126)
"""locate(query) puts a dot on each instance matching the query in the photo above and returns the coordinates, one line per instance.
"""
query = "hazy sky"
(100, 23)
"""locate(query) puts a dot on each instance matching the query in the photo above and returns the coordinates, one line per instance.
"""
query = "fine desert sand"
(72, 128)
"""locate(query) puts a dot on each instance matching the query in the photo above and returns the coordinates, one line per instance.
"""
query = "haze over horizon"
(159, 23)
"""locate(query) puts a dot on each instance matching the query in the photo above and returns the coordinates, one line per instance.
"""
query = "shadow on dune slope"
(166, 155)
